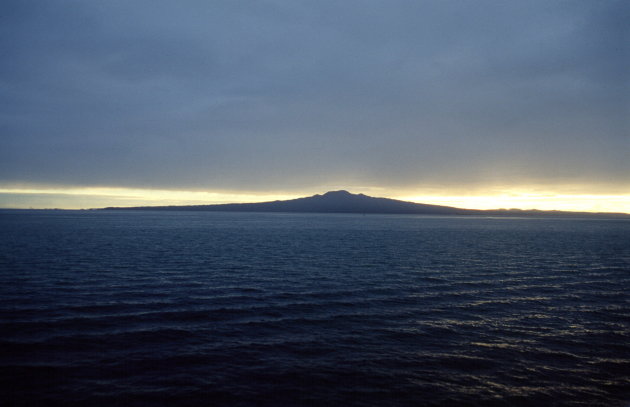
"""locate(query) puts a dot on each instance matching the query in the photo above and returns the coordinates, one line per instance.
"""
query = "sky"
(480, 104)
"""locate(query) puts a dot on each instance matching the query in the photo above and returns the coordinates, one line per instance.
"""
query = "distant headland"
(345, 202)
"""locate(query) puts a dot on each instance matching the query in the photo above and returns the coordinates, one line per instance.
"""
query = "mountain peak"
(342, 201)
(341, 192)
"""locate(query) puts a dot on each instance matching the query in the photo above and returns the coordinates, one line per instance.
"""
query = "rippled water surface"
(187, 309)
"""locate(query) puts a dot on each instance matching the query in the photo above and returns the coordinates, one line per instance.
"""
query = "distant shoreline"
(344, 202)
(542, 215)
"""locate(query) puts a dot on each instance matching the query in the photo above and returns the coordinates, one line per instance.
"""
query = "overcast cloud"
(258, 95)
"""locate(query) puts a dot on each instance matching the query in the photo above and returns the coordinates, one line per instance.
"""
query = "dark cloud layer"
(287, 94)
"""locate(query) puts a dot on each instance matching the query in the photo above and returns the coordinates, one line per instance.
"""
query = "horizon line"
(192, 198)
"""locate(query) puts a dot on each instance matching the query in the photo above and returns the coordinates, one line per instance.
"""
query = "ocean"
(103, 308)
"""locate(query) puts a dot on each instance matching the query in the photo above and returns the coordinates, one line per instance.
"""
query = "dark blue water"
(220, 309)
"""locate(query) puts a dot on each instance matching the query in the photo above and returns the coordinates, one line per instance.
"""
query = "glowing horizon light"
(99, 197)
(137, 193)
(542, 201)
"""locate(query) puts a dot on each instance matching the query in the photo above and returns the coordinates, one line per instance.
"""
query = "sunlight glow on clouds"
(562, 202)
(271, 99)
(98, 197)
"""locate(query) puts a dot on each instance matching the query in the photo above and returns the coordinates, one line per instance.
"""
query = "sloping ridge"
(330, 202)
(344, 202)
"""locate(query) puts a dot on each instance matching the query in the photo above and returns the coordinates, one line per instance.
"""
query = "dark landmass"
(345, 202)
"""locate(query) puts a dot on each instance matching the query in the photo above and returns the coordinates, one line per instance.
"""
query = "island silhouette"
(345, 202)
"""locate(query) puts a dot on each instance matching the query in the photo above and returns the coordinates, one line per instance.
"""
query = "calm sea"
(236, 309)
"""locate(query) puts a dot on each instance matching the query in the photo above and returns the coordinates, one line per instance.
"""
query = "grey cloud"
(285, 94)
